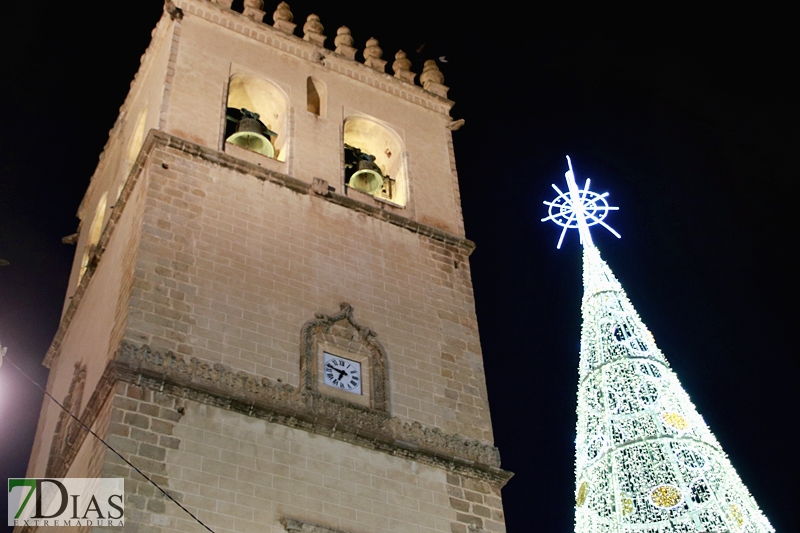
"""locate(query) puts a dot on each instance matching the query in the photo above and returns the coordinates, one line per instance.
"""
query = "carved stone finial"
(283, 18)
(344, 43)
(283, 12)
(372, 49)
(372, 55)
(224, 3)
(254, 9)
(402, 67)
(431, 73)
(172, 10)
(432, 79)
(312, 30)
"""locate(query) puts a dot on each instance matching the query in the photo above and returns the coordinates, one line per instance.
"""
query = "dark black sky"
(685, 117)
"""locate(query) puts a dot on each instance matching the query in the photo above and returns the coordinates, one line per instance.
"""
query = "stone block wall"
(244, 474)
(234, 260)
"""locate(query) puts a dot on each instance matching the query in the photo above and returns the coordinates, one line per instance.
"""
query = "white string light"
(645, 461)
(579, 209)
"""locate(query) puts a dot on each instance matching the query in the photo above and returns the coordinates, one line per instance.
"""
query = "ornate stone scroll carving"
(293, 525)
(216, 384)
(67, 428)
(324, 328)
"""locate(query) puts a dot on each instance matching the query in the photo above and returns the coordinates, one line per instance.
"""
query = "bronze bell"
(366, 175)
(250, 135)
(367, 178)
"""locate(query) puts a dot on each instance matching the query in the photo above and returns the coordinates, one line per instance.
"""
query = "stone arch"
(265, 98)
(316, 97)
(93, 237)
(345, 334)
(134, 146)
(67, 429)
(373, 137)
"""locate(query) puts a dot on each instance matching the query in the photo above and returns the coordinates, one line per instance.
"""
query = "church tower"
(270, 311)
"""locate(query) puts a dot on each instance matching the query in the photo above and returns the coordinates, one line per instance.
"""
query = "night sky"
(685, 117)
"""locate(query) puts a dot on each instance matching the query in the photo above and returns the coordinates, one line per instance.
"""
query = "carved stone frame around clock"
(341, 335)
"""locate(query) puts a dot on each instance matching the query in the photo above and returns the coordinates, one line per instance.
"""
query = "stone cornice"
(318, 188)
(293, 525)
(251, 395)
(298, 47)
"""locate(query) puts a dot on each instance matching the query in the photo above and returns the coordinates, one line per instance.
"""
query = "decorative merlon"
(282, 18)
(434, 96)
(312, 30)
(254, 9)
(402, 68)
(432, 79)
(373, 54)
(174, 12)
(344, 43)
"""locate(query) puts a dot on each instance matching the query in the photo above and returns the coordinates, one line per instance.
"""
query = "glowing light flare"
(579, 209)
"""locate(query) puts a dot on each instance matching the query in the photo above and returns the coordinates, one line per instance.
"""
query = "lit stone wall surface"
(230, 267)
(209, 54)
(93, 322)
(243, 474)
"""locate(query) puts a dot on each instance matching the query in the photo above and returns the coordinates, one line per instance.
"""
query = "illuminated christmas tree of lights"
(645, 461)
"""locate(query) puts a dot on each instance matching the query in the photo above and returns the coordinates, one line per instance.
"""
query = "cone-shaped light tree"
(645, 461)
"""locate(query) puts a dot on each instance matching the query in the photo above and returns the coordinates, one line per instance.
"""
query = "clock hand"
(342, 373)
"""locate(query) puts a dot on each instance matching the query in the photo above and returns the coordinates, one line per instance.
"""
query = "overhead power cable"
(107, 445)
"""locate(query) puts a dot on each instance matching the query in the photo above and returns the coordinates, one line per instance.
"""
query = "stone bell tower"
(270, 311)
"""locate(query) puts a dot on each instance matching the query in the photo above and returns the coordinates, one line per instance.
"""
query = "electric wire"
(107, 445)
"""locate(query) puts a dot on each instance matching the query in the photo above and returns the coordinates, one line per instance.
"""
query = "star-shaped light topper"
(579, 209)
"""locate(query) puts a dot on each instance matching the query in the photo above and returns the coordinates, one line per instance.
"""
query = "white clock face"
(341, 373)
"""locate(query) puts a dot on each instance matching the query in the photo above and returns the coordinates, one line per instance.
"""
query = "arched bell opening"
(255, 117)
(135, 143)
(137, 136)
(374, 160)
(95, 230)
